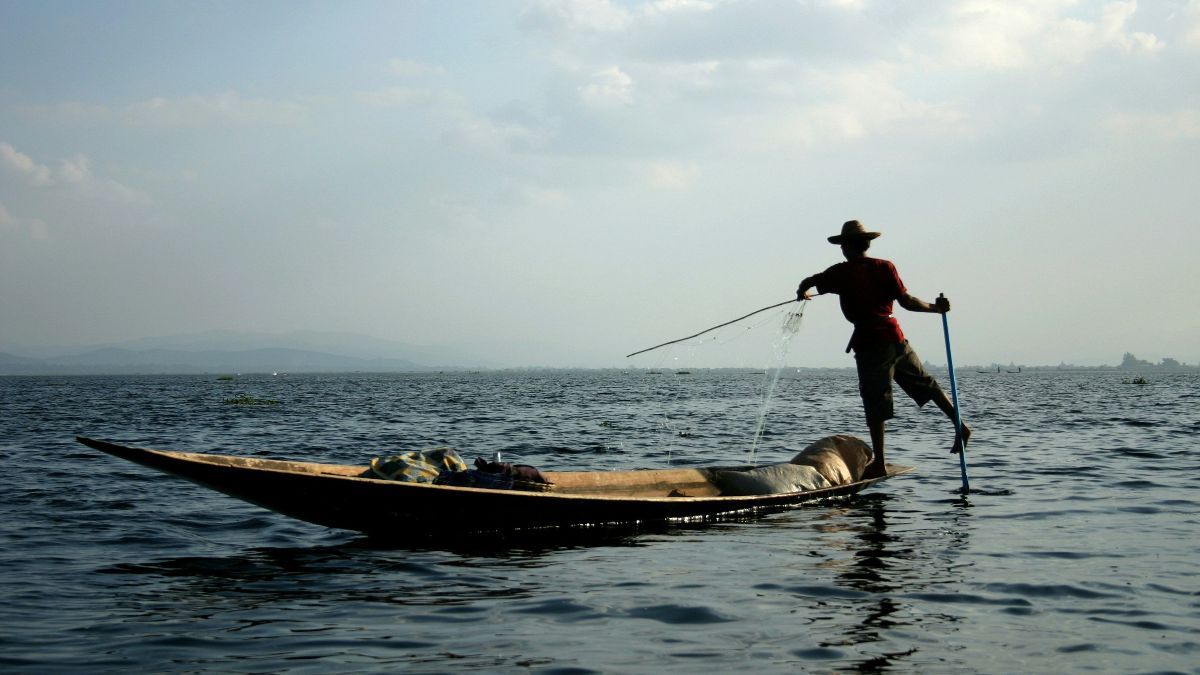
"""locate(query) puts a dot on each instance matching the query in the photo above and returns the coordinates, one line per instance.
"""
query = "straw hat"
(852, 229)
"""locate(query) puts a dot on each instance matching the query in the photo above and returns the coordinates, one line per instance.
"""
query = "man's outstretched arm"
(914, 304)
(802, 293)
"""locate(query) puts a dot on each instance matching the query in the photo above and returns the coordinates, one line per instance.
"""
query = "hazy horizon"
(691, 356)
(573, 180)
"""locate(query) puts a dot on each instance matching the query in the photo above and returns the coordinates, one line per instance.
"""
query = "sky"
(563, 182)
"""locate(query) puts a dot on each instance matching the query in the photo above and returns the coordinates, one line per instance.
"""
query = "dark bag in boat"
(475, 478)
(518, 472)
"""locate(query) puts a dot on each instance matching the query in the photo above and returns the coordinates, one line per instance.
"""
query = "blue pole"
(962, 456)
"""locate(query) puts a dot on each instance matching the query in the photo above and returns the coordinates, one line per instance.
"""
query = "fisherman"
(866, 288)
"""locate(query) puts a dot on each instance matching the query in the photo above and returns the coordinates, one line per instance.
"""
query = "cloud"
(541, 197)
(1111, 30)
(991, 35)
(608, 87)
(491, 134)
(868, 101)
(31, 227)
(678, 78)
(21, 165)
(460, 125)
(406, 97)
(1191, 20)
(409, 68)
(1033, 34)
(572, 16)
(228, 109)
(851, 5)
(603, 16)
(73, 178)
(670, 6)
(671, 175)
(1178, 125)
(728, 75)
(75, 170)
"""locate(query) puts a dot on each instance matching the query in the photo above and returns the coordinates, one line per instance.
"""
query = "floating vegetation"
(246, 399)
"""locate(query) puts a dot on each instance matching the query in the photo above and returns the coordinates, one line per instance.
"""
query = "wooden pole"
(962, 455)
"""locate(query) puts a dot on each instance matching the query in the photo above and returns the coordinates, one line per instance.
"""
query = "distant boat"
(683, 372)
(988, 371)
(1016, 371)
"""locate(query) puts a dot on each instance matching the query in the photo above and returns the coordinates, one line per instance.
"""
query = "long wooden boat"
(348, 497)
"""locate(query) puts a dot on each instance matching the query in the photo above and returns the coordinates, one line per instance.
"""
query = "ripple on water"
(678, 614)
(1076, 648)
(970, 599)
(1144, 624)
(1136, 453)
(1066, 555)
(558, 607)
(820, 654)
(1043, 591)
(814, 591)
(1138, 485)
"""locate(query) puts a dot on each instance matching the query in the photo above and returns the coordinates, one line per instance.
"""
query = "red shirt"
(866, 288)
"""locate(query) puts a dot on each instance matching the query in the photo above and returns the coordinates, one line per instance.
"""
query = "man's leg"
(921, 386)
(947, 406)
(877, 467)
(875, 386)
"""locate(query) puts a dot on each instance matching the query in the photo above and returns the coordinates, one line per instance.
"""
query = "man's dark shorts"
(878, 366)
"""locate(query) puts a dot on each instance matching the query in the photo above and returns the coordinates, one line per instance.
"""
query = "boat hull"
(345, 497)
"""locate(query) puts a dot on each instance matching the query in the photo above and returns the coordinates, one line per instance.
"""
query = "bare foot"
(960, 443)
(875, 470)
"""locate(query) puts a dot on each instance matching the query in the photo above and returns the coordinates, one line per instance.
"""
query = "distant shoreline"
(433, 371)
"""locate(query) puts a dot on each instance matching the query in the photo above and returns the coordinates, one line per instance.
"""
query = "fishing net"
(750, 351)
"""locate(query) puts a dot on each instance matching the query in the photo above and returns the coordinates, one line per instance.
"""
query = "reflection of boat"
(345, 497)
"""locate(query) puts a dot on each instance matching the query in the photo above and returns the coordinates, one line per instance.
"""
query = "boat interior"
(683, 482)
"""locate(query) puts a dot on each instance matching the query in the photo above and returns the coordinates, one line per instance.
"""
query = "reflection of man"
(866, 288)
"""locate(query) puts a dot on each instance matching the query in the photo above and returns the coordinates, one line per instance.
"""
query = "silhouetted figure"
(866, 288)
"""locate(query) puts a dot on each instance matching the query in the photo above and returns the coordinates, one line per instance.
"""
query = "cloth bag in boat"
(497, 476)
(840, 459)
(418, 466)
(769, 480)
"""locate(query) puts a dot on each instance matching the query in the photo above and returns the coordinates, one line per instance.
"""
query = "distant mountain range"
(233, 352)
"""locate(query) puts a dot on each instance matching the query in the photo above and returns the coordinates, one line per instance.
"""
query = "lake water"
(1077, 550)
